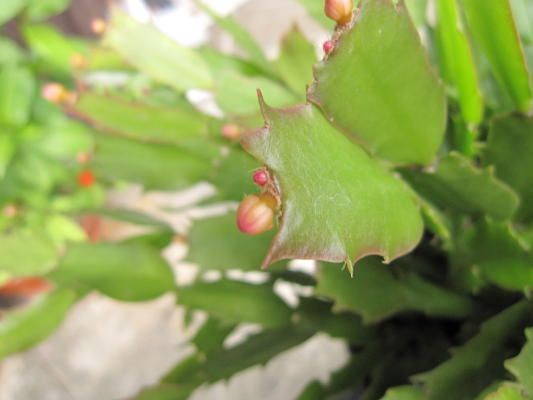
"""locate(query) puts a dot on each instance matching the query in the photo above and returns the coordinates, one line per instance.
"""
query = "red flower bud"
(86, 178)
(231, 132)
(256, 214)
(328, 46)
(260, 177)
(339, 11)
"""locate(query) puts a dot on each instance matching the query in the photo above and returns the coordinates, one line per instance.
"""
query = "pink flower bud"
(78, 61)
(260, 177)
(231, 132)
(328, 46)
(339, 11)
(57, 94)
(53, 92)
(256, 214)
(98, 26)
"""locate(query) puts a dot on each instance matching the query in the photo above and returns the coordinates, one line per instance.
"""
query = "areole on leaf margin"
(335, 209)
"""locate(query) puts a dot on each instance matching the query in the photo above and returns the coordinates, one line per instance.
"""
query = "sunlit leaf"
(296, 60)
(26, 254)
(237, 94)
(493, 28)
(337, 204)
(457, 61)
(149, 50)
(378, 86)
(17, 88)
(156, 165)
(41, 9)
(10, 8)
(139, 120)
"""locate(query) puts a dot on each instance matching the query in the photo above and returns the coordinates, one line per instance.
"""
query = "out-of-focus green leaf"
(376, 82)
(257, 349)
(128, 272)
(509, 148)
(418, 11)
(522, 365)
(404, 393)
(164, 391)
(133, 217)
(10, 53)
(25, 328)
(493, 252)
(295, 62)
(17, 88)
(399, 291)
(138, 120)
(337, 204)
(64, 139)
(232, 175)
(216, 243)
(504, 391)
(7, 149)
(61, 229)
(479, 361)
(243, 39)
(149, 50)
(26, 254)
(457, 61)
(42, 9)
(315, 8)
(10, 8)
(234, 301)
(54, 48)
(155, 165)
(313, 391)
(211, 335)
(436, 222)
(339, 325)
(523, 15)
(237, 94)
(219, 62)
(459, 186)
(493, 28)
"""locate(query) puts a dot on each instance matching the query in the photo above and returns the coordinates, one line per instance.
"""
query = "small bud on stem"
(231, 132)
(98, 26)
(78, 61)
(339, 11)
(328, 46)
(57, 94)
(260, 177)
(256, 214)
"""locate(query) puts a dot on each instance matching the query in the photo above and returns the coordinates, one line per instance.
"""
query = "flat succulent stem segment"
(338, 204)
(378, 87)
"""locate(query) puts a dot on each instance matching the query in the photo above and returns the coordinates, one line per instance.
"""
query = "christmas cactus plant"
(400, 162)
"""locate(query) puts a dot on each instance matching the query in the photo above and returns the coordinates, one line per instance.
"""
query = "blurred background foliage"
(82, 118)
